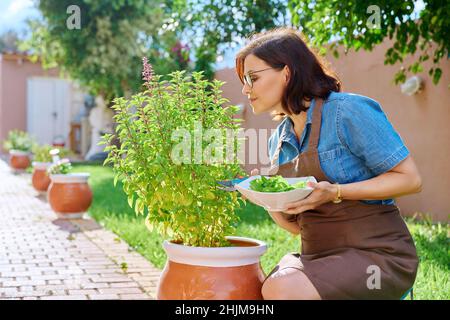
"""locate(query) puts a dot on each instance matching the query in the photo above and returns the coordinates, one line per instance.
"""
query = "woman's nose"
(246, 89)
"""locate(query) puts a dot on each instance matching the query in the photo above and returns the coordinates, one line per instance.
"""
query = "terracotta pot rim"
(41, 165)
(77, 177)
(19, 152)
(232, 256)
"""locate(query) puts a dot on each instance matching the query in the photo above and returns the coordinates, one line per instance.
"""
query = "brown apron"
(344, 246)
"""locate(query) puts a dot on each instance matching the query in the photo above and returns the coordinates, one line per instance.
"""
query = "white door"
(48, 109)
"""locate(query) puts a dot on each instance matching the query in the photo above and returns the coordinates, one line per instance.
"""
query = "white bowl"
(275, 201)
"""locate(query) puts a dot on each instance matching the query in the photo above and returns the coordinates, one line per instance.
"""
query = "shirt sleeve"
(364, 129)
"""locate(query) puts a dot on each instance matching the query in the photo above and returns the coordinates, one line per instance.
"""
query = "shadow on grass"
(76, 163)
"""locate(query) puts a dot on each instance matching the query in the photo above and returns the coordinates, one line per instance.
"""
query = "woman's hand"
(323, 192)
(280, 219)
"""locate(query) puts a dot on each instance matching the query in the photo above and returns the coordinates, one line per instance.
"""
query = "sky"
(14, 12)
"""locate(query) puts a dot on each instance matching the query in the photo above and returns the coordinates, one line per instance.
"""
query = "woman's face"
(268, 85)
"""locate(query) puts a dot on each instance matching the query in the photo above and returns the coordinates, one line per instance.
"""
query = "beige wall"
(14, 71)
(422, 120)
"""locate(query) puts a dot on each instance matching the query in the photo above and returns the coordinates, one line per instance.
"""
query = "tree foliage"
(347, 22)
(212, 26)
(9, 41)
(104, 54)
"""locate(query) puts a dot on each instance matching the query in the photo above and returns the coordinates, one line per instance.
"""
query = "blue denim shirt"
(357, 142)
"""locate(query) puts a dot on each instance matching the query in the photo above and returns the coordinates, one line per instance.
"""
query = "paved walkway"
(43, 257)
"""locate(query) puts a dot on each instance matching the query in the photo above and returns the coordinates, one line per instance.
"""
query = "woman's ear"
(287, 74)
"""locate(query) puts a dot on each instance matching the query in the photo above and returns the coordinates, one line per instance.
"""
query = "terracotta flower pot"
(69, 195)
(19, 160)
(40, 178)
(223, 273)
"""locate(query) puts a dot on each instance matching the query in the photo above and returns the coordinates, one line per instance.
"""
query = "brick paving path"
(43, 257)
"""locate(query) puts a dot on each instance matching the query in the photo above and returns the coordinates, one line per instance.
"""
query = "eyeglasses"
(248, 79)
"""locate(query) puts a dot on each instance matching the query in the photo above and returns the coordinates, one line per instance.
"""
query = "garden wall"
(14, 72)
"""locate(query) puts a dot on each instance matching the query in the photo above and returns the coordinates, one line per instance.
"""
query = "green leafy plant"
(112, 36)
(41, 153)
(62, 166)
(221, 30)
(168, 178)
(275, 184)
(420, 33)
(18, 140)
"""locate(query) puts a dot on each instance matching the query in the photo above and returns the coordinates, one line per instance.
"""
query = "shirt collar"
(287, 133)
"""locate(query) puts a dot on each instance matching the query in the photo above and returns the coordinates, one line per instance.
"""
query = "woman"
(355, 245)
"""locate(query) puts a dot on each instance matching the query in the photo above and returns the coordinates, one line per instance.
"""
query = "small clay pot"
(40, 178)
(69, 195)
(19, 160)
(222, 273)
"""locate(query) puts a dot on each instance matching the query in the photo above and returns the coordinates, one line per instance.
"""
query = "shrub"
(166, 175)
(18, 140)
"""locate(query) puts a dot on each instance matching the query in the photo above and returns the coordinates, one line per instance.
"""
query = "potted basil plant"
(171, 145)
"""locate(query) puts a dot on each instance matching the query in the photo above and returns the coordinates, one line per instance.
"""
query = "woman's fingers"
(299, 206)
(296, 204)
(297, 210)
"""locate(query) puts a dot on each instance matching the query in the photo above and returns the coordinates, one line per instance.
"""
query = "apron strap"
(316, 124)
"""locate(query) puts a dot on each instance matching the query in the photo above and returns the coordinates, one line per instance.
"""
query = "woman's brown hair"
(310, 76)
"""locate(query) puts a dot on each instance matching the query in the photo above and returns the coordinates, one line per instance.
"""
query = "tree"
(105, 49)
(9, 41)
(211, 26)
(355, 24)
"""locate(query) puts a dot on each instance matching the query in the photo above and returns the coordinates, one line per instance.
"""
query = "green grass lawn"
(111, 210)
